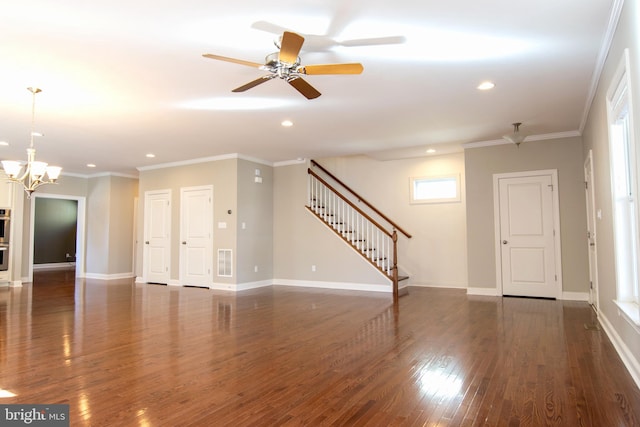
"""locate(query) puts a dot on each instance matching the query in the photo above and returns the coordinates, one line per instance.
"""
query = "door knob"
(504, 242)
(184, 243)
(146, 243)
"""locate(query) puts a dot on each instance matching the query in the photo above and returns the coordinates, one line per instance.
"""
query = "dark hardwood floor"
(125, 354)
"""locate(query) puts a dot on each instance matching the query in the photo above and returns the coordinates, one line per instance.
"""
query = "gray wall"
(301, 240)
(434, 256)
(55, 224)
(255, 212)
(565, 155)
(596, 138)
(98, 202)
(110, 204)
(235, 190)
(108, 222)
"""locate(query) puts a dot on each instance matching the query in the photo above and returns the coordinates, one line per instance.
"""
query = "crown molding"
(205, 160)
(98, 175)
(530, 138)
(614, 17)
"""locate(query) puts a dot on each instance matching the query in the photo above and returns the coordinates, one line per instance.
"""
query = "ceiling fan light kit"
(285, 65)
(516, 137)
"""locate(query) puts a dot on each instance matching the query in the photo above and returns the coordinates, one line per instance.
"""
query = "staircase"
(367, 230)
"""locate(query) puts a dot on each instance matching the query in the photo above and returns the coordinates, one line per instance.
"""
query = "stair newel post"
(394, 237)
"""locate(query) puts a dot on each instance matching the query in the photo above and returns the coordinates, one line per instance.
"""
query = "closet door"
(196, 235)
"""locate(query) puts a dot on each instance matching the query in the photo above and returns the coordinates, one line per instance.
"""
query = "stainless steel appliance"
(5, 226)
(4, 257)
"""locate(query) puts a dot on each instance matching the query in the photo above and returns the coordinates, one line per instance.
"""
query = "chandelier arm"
(28, 179)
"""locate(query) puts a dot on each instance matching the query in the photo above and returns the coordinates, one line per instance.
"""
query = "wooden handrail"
(360, 198)
(350, 203)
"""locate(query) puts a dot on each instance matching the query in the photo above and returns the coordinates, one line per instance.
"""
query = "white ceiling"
(124, 78)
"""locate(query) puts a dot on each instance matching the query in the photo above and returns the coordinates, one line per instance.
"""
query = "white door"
(157, 236)
(196, 239)
(527, 241)
(591, 231)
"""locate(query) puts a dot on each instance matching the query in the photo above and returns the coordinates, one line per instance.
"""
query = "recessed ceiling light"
(4, 143)
(91, 165)
(36, 134)
(151, 155)
(287, 123)
(431, 151)
(486, 86)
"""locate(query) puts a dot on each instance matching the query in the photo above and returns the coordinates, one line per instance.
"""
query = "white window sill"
(631, 313)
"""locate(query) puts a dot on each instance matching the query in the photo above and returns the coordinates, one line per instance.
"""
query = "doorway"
(527, 226)
(79, 254)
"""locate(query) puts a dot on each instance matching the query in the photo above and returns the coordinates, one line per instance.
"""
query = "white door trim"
(556, 223)
(80, 231)
(594, 296)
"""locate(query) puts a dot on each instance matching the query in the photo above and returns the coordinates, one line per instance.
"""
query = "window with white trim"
(435, 189)
(624, 189)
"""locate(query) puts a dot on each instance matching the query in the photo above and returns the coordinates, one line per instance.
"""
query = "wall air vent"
(225, 258)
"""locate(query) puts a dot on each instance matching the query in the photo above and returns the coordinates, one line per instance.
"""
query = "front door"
(527, 235)
(157, 227)
(196, 240)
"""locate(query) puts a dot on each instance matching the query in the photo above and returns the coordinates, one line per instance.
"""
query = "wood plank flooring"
(129, 354)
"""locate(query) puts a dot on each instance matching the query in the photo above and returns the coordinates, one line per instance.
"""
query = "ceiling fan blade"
(254, 83)
(235, 61)
(290, 47)
(268, 27)
(374, 41)
(353, 68)
(304, 88)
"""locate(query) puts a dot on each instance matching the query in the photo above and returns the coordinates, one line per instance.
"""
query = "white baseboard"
(236, 287)
(54, 266)
(334, 285)
(116, 276)
(440, 285)
(486, 292)
(630, 362)
(575, 296)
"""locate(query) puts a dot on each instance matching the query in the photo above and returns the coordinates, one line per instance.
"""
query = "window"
(435, 189)
(624, 190)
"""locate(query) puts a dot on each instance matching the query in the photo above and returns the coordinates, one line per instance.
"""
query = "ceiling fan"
(329, 40)
(285, 64)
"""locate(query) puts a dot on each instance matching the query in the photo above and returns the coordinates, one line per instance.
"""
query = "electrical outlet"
(313, 268)
(255, 268)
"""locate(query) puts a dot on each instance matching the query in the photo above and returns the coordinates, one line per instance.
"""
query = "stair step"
(401, 278)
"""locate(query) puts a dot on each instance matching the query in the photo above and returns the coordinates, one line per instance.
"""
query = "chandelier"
(35, 173)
